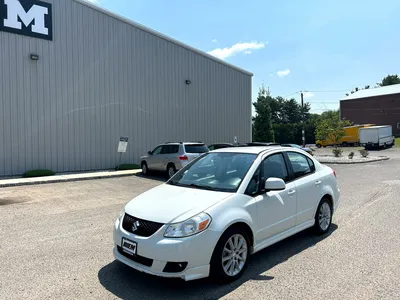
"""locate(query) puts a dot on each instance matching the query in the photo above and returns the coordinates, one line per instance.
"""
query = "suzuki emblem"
(135, 225)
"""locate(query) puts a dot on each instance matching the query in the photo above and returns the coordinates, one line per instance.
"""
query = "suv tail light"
(183, 157)
(334, 173)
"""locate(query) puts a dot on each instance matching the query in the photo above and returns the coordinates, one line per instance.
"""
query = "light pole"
(303, 136)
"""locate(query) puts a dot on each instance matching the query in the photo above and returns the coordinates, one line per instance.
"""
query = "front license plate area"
(129, 247)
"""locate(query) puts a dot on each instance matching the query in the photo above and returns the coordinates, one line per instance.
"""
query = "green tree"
(262, 125)
(277, 113)
(292, 111)
(330, 127)
(389, 80)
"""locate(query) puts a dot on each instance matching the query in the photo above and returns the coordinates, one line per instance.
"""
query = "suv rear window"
(197, 148)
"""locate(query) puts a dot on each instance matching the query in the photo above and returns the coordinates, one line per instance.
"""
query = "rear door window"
(300, 164)
(196, 148)
(169, 149)
(166, 149)
(174, 149)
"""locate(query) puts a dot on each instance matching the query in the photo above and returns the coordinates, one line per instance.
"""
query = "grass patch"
(397, 142)
(128, 167)
(38, 173)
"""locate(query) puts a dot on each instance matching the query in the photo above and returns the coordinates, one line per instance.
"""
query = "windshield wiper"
(205, 187)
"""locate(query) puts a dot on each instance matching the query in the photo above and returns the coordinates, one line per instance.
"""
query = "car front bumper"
(195, 250)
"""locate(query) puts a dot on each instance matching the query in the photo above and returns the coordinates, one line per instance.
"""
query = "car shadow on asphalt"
(126, 283)
(153, 176)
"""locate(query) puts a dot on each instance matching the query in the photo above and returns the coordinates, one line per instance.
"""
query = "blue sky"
(292, 45)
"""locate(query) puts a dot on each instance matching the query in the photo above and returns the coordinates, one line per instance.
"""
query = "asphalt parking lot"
(56, 243)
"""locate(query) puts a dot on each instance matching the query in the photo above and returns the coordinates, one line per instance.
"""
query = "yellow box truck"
(351, 137)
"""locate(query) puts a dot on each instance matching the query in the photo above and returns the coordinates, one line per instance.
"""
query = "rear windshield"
(198, 148)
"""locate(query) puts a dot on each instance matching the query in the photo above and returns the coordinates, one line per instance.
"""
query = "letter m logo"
(27, 17)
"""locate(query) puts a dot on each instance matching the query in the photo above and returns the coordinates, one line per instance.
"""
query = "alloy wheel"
(144, 169)
(324, 216)
(171, 171)
(234, 255)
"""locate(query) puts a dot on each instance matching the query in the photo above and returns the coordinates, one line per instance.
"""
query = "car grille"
(143, 227)
(137, 258)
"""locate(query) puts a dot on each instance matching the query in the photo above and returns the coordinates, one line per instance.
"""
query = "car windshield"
(220, 171)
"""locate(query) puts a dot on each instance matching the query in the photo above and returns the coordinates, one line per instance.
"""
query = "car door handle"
(318, 182)
(291, 192)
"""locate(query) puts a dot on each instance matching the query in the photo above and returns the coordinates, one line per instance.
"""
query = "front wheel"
(230, 255)
(145, 169)
(323, 217)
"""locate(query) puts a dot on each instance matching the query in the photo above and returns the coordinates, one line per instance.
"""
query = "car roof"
(183, 143)
(250, 150)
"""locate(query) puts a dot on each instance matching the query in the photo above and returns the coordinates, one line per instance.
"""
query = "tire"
(323, 217)
(318, 145)
(145, 169)
(171, 170)
(220, 269)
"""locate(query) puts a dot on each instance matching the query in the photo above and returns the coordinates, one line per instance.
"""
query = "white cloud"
(307, 95)
(214, 41)
(283, 73)
(223, 53)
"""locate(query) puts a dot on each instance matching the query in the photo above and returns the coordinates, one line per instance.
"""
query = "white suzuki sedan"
(221, 208)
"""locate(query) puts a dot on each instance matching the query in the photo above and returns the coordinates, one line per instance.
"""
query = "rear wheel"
(323, 217)
(171, 170)
(230, 255)
(318, 145)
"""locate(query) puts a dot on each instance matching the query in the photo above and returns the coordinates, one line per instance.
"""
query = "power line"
(290, 94)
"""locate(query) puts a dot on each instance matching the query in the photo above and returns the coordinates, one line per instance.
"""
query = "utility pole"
(302, 121)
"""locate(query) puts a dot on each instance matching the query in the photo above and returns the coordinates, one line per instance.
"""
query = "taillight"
(334, 173)
(183, 157)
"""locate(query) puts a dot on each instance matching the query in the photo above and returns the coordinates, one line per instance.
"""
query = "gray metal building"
(74, 78)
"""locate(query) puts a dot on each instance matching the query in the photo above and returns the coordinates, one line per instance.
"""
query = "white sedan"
(221, 208)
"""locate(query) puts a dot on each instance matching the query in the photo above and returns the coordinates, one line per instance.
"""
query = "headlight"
(189, 227)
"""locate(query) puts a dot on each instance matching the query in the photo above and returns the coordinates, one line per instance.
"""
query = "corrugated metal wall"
(101, 78)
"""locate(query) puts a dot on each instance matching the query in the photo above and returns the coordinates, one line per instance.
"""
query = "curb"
(65, 178)
(352, 162)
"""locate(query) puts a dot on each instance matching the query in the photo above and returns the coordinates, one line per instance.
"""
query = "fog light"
(175, 267)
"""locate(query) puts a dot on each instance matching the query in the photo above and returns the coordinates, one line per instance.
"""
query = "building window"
(398, 125)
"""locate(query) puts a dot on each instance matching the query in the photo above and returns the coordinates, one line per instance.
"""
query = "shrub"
(337, 152)
(127, 167)
(38, 173)
(351, 155)
(364, 153)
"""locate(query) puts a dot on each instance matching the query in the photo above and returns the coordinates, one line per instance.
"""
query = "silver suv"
(170, 157)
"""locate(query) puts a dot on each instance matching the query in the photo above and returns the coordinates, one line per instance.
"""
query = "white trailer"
(376, 136)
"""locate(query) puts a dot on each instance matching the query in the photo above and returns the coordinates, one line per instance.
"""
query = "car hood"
(172, 204)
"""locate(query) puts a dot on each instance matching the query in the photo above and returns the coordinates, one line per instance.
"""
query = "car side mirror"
(274, 184)
(149, 152)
